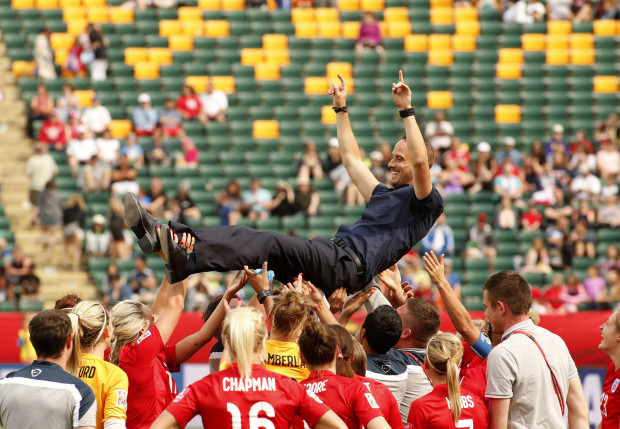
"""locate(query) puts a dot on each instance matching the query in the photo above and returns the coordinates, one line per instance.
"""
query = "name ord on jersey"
(284, 360)
(230, 384)
(87, 371)
(316, 387)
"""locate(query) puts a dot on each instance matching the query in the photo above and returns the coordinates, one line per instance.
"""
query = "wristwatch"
(262, 295)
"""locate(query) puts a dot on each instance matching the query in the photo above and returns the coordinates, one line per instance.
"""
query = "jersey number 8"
(255, 421)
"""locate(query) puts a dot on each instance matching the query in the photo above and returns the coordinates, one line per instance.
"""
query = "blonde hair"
(244, 333)
(128, 319)
(290, 314)
(88, 321)
(75, 358)
(444, 353)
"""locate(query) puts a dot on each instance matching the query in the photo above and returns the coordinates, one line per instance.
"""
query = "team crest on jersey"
(35, 372)
(371, 400)
(121, 398)
(144, 337)
(615, 385)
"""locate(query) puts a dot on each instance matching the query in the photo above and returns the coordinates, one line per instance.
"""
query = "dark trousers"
(229, 248)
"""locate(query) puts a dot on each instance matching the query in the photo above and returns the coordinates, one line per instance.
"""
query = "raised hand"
(401, 93)
(434, 267)
(336, 299)
(259, 282)
(339, 93)
(235, 285)
(187, 242)
(354, 304)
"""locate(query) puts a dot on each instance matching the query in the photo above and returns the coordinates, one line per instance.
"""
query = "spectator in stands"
(582, 157)
(483, 169)
(454, 180)
(170, 119)
(80, 150)
(423, 286)
(142, 281)
(608, 215)
(582, 11)
(481, 241)
(73, 230)
(40, 168)
(50, 204)
(439, 132)
(516, 12)
(310, 162)
(67, 103)
(459, 153)
(198, 293)
(230, 203)
(453, 279)
(537, 258)
(558, 244)
(595, 288)
(158, 152)
(30, 287)
(52, 132)
(509, 151)
(99, 44)
(190, 156)
(530, 175)
(124, 177)
(75, 64)
(256, 200)
(557, 142)
(560, 169)
(18, 266)
(537, 152)
(189, 105)
(121, 238)
(559, 208)
(97, 238)
(551, 296)
(536, 10)
(214, 103)
(115, 286)
(608, 160)
(508, 184)
(307, 199)
(72, 126)
(607, 9)
(581, 141)
(608, 130)
(585, 212)
(43, 55)
(108, 148)
(144, 116)
(609, 188)
(583, 240)
(440, 238)
(158, 198)
(41, 106)
(369, 37)
(531, 220)
(333, 156)
(377, 167)
(611, 261)
(613, 293)
(585, 186)
(283, 204)
(133, 151)
(506, 216)
(182, 207)
(96, 176)
(97, 117)
(573, 294)
(559, 10)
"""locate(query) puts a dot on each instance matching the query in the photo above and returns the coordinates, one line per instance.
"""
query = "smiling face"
(400, 169)
(611, 337)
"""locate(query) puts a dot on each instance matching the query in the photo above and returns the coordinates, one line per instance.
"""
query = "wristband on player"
(407, 112)
(340, 109)
(262, 295)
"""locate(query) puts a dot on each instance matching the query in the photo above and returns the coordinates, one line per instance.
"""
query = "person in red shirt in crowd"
(459, 153)
(246, 395)
(581, 141)
(72, 127)
(352, 364)
(532, 219)
(348, 398)
(189, 105)
(610, 399)
(52, 132)
(449, 405)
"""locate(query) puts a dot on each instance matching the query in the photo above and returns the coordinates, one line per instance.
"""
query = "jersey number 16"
(255, 421)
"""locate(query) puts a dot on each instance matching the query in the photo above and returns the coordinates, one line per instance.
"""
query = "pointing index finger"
(344, 85)
(400, 76)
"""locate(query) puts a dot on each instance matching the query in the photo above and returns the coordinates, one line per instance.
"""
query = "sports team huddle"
(283, 360)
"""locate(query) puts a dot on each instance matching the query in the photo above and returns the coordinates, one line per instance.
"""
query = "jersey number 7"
(255, 421)
(466, 424)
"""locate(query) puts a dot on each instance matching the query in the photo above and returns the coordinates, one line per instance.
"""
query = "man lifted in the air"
(393, 221)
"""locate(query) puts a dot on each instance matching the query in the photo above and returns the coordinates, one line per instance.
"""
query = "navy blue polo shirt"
(393, 221)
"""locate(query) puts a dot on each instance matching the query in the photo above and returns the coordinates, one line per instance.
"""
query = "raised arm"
(418, 156)
(349, 150)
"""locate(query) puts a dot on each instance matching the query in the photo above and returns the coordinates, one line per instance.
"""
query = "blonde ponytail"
(128, 319)
(75, 359)
(244, 333)
(444, 353)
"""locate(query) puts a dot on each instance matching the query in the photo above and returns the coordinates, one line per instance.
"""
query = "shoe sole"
(135, 222)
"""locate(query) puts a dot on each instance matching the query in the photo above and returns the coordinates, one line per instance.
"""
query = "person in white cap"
(557, 141)
(144, 117)
(214, 103)
(509, 151)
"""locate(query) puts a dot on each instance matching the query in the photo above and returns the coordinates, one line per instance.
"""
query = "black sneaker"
(175, 257)
(143, 225)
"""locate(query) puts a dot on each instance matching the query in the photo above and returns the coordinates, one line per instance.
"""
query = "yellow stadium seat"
(61, 41)
(121, 15)
(46, 4)
(606, 84)
(440, 57)
(120, 128)
(306, 30)
(507, 113)
(581, 41)
(604, 27)
(233, 4)
(582, 57)
(97, 14)
(323, 14)
(372, 5)
(557, 41)
(439, 41)
(23, 68)
(275, 41)
(533, 42)
(217, 28)
(345, 69)
(441, 16)
(470, 28)
(85, 97)
(439, 99)
(224, 83)
(160, 56)
(348, 5)
(199, 83)
(252, 56)
(209, 4)
(147, 70)
(280, 57)
(508, 70)
(169, 27)
(266, 129)
(302, 14)
(70, 3)
(351, 29)
(77, 27)
(181, 42)
(192, 28)
(267, 71)
(463, 43)
(398, 29)
(60, 57)
(466, 14)
(73, 14)
(391, 14)
(187, 13)
(328, 116)
(316, 85)
(329, 29)
(416, 43)
(559, 27)
(136, 55)
(93, 3)
(557, 57)
(22, 4)
(442, 3)
(510, 55)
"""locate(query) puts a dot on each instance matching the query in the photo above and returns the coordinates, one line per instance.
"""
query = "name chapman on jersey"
(261, 384)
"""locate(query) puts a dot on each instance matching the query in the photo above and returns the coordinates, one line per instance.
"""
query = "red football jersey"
(432, 411)
(348, 398)
(148, 365)
(475, 380)
(610, 399)
(190, 104)
(385, 399)
(264, 400)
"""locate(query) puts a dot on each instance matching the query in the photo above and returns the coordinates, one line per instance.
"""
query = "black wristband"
(340, 109)
(407, 112)
(262, 295)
